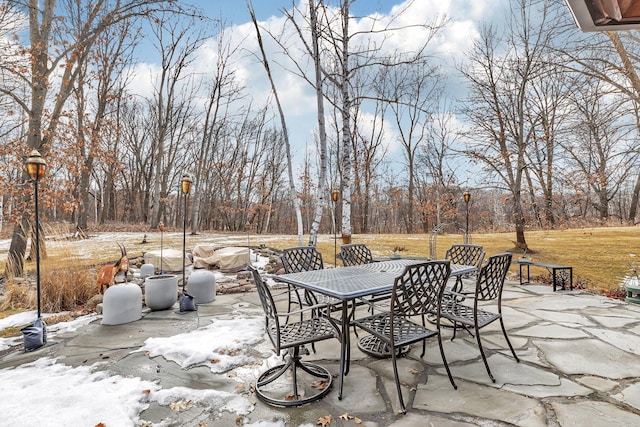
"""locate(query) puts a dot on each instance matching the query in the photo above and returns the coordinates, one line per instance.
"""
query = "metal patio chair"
(416, 292)
(355, 254)
(304, 258)
(489, 285)
(466, 255)
(309, 381)
(359, 254)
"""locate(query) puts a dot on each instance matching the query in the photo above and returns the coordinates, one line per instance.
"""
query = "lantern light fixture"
(186, 183)
(36, 165)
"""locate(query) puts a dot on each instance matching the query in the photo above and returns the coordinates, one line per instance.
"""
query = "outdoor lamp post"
(186, 188)
(335, 195)
(36, 167)
(467, 198)
(161, 227)
(35, 335)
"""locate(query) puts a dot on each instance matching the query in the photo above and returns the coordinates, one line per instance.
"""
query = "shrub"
(66, 289)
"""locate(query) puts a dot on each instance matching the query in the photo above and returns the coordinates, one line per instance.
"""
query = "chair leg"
(457, 287)
(444, 360)
(504, 332)
(455, 329)
(424, 342)
(293, 362)
(397, 378)
(484, 358)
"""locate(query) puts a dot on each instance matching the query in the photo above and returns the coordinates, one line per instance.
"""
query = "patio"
(579, 366)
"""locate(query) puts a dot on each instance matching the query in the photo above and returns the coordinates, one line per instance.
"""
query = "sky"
(297, 96)
(48, 384)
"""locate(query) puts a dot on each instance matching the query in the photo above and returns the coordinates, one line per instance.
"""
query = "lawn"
(601, 257)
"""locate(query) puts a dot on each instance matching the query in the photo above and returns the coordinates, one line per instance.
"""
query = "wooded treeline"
(544, 134)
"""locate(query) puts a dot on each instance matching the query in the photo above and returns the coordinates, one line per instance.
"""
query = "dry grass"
(64, 286)
(600, 257)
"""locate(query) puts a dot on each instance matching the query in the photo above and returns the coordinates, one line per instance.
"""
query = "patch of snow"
(221, 345)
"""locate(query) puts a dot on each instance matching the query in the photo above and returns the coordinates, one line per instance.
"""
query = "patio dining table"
(350, 283)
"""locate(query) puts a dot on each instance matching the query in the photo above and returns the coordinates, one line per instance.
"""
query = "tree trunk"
(292, 187)
(322, 132)
(633, 209)
(14, 266)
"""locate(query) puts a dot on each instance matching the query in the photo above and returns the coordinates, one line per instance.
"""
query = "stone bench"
(561, 274)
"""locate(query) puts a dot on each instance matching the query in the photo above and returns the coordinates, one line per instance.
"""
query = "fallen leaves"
(231, 351)
(180, 405)
(324, 421)
(320, 384)
(347, 417)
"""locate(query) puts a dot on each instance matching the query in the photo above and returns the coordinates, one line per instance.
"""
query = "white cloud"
(297, 97)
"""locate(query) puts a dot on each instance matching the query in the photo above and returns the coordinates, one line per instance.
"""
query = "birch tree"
(283, 123)
(341, 54)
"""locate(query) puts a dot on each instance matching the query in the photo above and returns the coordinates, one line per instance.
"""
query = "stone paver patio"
(580, 365)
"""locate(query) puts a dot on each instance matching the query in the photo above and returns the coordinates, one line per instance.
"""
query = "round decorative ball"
(122, 303)
(147, 270)
(201, 285)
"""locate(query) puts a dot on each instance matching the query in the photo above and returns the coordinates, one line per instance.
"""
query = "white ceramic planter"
(122, 303)
(161, 292)
(201, 285)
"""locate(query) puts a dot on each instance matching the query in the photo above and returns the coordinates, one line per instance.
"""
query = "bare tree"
(596, 144)
(434, 159)
(93, 120)
(177, 43)
(341, 54)
(500, 76)
(593, 57)
(46, 21)
(411, 90)
(285, 133)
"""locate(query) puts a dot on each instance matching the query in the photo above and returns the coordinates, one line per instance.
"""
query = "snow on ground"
(220, 354)
(38, 392)
(27, 317)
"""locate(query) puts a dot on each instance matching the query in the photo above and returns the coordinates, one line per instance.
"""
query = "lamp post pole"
(36, 167)
(247, 226)
(467, 198)
(161, 227)
(185, 187)
(335, 195)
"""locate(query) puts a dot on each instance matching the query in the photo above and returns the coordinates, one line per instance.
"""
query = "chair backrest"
(355, 254)
(272, 324)
(466, 255)
(490, 280)
(301, 258)
(419, 289)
